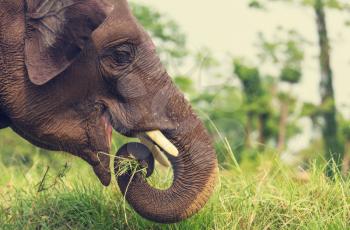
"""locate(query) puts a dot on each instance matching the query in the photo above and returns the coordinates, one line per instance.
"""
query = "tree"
(333, 150)
(285, 52)
(313, 112)
(220, 109)
(330, 129)
(251, 84)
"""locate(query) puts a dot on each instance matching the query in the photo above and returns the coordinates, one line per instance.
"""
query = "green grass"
(272, 197)
(58, 191)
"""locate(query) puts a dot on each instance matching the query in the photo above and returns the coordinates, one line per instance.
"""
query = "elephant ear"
(57, 31)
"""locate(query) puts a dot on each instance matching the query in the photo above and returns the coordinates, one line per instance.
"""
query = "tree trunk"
(249, 129)
(329, 130)
(282, 129)
(263, 117)
(346, 159)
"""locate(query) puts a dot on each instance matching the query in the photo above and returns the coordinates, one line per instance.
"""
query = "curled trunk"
(195, 172)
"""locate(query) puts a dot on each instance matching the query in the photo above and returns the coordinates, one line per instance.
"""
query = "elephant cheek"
(102, 169)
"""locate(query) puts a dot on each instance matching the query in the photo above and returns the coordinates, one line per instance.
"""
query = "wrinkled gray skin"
(71, 70)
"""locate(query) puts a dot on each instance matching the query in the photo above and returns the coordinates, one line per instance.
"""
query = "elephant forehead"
(119, 25)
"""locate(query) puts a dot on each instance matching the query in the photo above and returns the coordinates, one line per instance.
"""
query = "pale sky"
(230, 27)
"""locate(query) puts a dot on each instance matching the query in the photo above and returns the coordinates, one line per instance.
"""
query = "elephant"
(72, 71)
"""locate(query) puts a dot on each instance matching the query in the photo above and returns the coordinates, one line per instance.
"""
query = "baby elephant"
(71, 71)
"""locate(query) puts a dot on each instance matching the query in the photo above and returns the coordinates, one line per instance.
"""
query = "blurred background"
(268, 78)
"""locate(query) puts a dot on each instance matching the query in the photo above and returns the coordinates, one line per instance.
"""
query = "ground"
(57, 191)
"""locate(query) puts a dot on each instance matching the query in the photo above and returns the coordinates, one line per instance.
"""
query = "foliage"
(290, 75)
(250, 78)
(256, 4)
(220, 109)
(171, 41)
(185, 84)
(285, 51)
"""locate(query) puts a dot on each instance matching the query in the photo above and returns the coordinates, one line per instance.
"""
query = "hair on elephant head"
(86, 67)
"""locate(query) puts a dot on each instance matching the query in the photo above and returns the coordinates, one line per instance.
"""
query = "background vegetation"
(263, 183)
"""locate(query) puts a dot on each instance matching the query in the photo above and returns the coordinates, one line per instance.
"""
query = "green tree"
(287, 54)
(220, 107)
(330, 129)
(313, 112)
(252, 88)
(333, 149)
(259, 93)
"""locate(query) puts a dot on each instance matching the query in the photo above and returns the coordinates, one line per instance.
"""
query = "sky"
(229, 27)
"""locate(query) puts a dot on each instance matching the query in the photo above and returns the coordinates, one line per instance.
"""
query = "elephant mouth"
(159, 146)
(108, 128)
(156, 142)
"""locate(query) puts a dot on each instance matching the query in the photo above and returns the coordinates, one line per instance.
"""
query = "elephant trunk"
(195, 172)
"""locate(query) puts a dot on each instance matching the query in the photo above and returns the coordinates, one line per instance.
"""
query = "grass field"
(61, 192)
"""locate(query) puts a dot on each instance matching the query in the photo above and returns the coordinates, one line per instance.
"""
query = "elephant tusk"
(157, 153)
(158, 138)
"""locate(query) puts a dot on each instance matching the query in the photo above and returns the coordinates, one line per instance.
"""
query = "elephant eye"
(123, 54)
(122, 57)
(119, 56)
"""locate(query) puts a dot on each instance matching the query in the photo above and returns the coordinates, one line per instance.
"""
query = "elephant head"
(91, 68)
